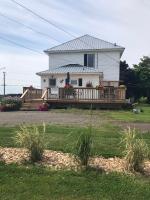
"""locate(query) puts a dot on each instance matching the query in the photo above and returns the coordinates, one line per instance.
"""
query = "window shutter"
(85, 59)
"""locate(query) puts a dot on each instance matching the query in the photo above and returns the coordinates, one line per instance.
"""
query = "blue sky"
(123, 22)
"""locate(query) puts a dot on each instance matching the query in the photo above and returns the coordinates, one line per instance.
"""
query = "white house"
(87, 59)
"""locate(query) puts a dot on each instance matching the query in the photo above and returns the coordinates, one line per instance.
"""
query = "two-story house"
(86, 59)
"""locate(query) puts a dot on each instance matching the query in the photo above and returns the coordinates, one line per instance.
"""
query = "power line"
(56, 26)
(43, 18)
(17, 44)
(29, 27)
(20, 45)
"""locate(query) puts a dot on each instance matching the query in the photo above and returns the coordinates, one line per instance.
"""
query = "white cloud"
(124, 22)
(21, 70)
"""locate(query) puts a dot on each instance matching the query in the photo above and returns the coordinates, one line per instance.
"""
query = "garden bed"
(60, 161)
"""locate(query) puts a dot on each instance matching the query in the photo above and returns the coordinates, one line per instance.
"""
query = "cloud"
(21, 70)
(123, 22)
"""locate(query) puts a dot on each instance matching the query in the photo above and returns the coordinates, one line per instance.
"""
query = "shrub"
(31, 138)
(10, 104)
(43, 107)
(136, 150)
(83, 147)
(143, 100)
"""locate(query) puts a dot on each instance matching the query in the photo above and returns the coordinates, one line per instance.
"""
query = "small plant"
(136, 150)
(69, 90)
(89, 84)
(43, 107)
(99, 87)
(1, 159)
(83, 147)
(31, 138)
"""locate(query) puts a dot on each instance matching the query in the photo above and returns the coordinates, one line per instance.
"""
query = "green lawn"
(106, 139)
(40, 184)
(129, 116)
(117, 115)
(37, 183)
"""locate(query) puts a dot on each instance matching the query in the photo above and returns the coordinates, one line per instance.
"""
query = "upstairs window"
(89, 60)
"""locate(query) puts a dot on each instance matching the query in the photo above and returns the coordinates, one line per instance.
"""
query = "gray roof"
(71, 68)
(85, 42)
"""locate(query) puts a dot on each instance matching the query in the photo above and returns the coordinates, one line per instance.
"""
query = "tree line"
(136, 79)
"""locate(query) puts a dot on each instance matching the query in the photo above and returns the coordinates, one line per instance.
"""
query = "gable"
(85, 43)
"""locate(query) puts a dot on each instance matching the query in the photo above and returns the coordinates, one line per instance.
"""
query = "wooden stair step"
(31, 105)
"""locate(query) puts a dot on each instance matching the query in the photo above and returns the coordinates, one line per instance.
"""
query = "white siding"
(107, 62)
(56, 60)
(85, 79)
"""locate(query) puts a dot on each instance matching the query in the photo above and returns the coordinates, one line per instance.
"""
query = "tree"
(129, 78)
(142, 71)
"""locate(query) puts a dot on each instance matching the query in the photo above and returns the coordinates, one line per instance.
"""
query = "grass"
(63, 138)
(129, 116)
(117, 115)
(38, 184)
(106, 140)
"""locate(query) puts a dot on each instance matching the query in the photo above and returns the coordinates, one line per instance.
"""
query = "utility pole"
(4, 79)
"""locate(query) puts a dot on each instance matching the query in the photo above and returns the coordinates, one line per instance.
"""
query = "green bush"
(83, 147)
(136, 150)
(33, 139)
(10, 104)
(143, 100)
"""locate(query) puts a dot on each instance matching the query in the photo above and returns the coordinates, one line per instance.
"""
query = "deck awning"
(72, 69)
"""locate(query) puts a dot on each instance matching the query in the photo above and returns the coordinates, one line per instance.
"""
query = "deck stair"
(31, 105)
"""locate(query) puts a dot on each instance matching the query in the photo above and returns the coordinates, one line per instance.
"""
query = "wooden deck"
(107, 97)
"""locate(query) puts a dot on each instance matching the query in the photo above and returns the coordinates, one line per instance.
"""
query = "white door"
(52, 85)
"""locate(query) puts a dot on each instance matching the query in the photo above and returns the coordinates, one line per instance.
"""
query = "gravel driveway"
(16, 118)
(51, 117)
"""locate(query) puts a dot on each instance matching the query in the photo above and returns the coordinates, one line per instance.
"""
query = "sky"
(123, 22)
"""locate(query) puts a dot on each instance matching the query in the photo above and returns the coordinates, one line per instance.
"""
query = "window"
(73, 82)
(52, 82)
(89, 60)
(80, 81)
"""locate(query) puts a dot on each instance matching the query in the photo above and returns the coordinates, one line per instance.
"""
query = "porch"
(100, 97)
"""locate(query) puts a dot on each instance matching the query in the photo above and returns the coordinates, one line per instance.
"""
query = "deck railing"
(105, 94)
(30, 93)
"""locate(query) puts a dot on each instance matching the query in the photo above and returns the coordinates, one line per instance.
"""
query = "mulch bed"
(59, 160)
